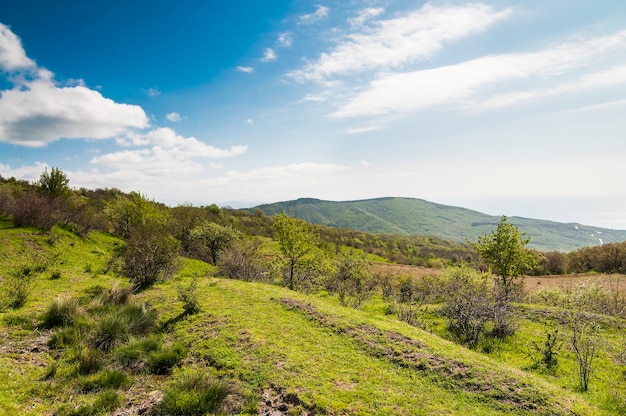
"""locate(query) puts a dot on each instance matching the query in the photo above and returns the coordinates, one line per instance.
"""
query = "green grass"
(260, 343)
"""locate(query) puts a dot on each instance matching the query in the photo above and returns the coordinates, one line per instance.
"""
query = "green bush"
(163, 361)
(188, 295)
(196, 394)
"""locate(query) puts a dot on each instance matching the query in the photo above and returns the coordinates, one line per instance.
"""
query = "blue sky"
(505, 107)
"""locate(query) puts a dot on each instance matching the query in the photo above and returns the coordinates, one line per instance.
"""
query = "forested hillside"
(407, 216)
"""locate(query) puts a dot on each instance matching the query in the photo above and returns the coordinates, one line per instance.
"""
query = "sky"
(506, 107)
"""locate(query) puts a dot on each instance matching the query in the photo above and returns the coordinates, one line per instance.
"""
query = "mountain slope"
(408, 216)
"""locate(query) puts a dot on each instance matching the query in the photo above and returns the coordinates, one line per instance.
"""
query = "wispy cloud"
(246, 69)
(320, 13)
(365, 15)
(285, 39)
(269, 55)
(174, 117)
(359, 130)
(153, 92)
(394, 43)
(466, 83)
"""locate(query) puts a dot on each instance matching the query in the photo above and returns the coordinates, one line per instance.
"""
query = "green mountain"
(409, 216)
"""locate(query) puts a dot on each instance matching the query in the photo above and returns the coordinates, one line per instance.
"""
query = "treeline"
(50, 201)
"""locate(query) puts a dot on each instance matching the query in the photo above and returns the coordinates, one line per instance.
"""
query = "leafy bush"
(195, 394)
(149, 255)
(188, 295)
(163, 361)
(19, 283)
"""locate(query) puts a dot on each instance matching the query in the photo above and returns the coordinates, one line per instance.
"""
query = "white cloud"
(320, 13)
(153, 92)
(268, 55)
(246, 69)
(12, 54)
(37, 111)
(465, 83)
(174, 117)
(365, 15)
(389, 44)
(162, 152)
(285, 39)
(359, 130)
(249, 121)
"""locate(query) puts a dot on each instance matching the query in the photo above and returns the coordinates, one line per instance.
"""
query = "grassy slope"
(269, 341)
(407, 216)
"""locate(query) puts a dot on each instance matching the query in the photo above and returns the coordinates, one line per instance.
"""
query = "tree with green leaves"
(213, 239)
(504, 250)
(55, 183)
(302, 261)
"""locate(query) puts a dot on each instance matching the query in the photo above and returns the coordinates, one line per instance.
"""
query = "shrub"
(163, 361)
(188, 295)
(194, 394)
(544, 354)
(18, 285)
(149, 255)
(61, 312)
(469, 305)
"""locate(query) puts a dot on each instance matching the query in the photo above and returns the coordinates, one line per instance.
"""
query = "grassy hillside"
(408, 216)
(275, 350)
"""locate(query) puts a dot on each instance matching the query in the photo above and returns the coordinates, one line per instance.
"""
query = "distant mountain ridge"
(411, 216)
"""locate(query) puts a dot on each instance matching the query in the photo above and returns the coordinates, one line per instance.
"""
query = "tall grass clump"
(162, 361)
(61, 312)
(195, 394)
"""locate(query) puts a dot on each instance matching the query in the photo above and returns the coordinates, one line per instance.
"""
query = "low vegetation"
(125, 306)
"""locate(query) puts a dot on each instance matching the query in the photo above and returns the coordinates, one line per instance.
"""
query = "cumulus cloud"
(174, 117)
(12, 54)
(394, 43)
(319, 14)
(465, 83)
(268, 55)
(162, 150)
(37, 111)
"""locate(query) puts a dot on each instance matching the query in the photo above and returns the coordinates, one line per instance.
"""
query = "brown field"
(530, 282)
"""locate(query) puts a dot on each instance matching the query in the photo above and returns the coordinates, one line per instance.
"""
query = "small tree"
(55, 183)
(213, 239)
(585, 339)
(243, 261)
(504, 250)
(301, 262)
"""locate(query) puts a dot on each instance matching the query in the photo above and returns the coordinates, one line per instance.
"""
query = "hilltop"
(409, 216)
(272, 349)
